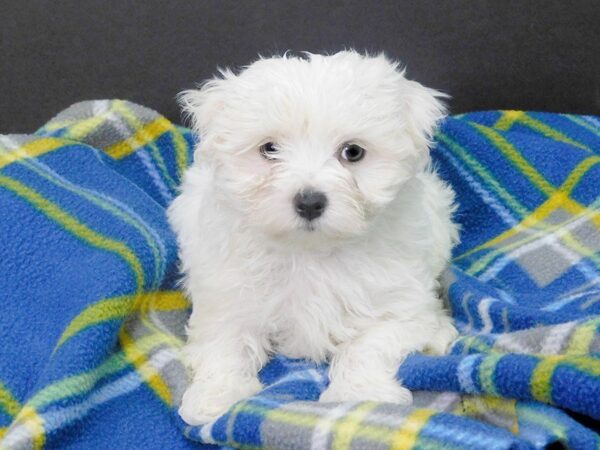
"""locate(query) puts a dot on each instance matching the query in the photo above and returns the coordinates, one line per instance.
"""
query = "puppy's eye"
(269, 150)
(352, 153)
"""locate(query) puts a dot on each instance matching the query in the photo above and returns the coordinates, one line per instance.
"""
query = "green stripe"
(75, 227)
(537, 417)
(181, 152)
(123, 215)
(8, 402)
(487, 373)
(84, 382)
(516, 158)
(548, 131)
(582, 123)
(484, 174)
(492, 253)
(78, 384)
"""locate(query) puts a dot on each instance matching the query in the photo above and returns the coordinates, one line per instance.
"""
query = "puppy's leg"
(225, 354)
(365, 368)
(440, 342)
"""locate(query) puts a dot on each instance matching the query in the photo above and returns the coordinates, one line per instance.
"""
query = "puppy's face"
(313, 149)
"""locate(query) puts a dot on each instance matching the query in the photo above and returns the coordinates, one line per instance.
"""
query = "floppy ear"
(425, 110)
(203, 105)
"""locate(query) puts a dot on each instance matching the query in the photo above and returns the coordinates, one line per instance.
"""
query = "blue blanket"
(91, 322)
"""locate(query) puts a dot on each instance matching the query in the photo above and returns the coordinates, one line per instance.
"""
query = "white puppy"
(310, 224)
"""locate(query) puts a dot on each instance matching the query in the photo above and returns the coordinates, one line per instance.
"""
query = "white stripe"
(100, 107)
(58, 418)
(151, 170)
(322, 430)
(8, 142)
(553, 342)
(593, 120)
(465, 374)
(484, 314)
(465, 306)
(115, 203)
(550, 239)
(509, 342)
(125, 133)
(322, 409)
(555, 306)
(444, 401)
(506, 216)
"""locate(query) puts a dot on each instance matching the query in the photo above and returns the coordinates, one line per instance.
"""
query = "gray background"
(517, 54)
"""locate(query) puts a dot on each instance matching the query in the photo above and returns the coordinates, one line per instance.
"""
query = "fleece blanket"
(91, 321)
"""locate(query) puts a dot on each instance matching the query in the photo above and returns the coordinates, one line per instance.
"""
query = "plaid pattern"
(92, 324)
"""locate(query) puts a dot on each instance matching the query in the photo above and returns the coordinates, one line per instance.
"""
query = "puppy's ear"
(204, 104)
(425, 109)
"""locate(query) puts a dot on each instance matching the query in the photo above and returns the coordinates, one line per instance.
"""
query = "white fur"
(358, 288)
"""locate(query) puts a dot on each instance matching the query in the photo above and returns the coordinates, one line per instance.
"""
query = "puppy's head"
(313, 147)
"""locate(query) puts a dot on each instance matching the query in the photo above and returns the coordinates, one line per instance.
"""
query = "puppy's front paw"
(207, 399)
(443, 339)
(379, 391)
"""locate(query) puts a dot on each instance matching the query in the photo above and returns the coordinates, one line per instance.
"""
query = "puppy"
(310, 224)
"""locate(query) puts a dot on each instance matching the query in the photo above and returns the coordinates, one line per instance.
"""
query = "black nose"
(310, 204)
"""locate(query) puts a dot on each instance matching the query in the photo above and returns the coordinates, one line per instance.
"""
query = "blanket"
(92, 322)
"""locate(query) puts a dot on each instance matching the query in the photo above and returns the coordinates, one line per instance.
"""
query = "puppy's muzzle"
(310, 204)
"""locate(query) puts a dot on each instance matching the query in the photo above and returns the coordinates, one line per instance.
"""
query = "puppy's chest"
(337, 292)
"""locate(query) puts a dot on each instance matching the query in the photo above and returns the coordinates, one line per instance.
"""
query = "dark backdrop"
(518, 54)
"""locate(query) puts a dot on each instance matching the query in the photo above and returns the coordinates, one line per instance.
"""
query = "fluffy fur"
(355, 287)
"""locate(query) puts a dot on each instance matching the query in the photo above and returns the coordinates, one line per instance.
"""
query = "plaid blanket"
(91, 322)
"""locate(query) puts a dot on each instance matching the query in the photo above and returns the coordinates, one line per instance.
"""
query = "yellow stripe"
(507, 119)
(83, 383)
(541, 379)
(147, 137)
(367, 431)
(136, 356)
(407, 436)
(131, 220)
(516, 158)
(82, 128)
(8, 402)
(172, 301)
(181, 152)
(143, 136)
(165, 301)
(112, 308)
(578, 172)
(378, 433)
(75, 227)
(550, 132)
(559, 199)
(533, 415)
(345, 429)
(477, 406)
(484, 174)
(35, 423)
(31, 149)
(487, 371)
(582, 338)
(119, 307)
(76, 385)
(78, 128)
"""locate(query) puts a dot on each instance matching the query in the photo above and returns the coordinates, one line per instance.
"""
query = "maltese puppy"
(312, 225)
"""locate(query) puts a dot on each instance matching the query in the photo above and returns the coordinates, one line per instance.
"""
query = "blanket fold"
(91, 320)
